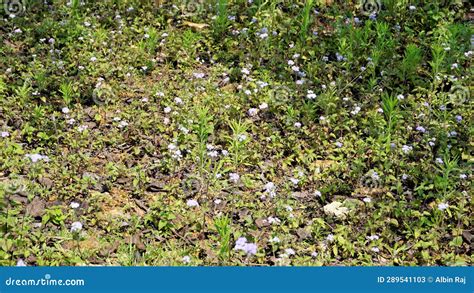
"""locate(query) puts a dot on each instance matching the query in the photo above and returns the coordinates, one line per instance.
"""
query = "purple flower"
(76, 227)
(20, 263)
(406, 149)
(186, 259)
(37, 157)
(340, 57)
(248, 248)
(192, 203)
(442, 206)
(421, 129)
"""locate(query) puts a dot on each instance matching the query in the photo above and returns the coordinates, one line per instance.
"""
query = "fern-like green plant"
(306, 18)
(410, 62)
(222, 225)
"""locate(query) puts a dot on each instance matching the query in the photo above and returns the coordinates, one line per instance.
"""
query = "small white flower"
(400, 97)
(76, 227)
(186, 259)
(192, 203)
(317, 193)
(74, 205)
(252, 112)
(245, 71)
(300, 81)
(330, 238)
(65, 110)
(367, 199)
(225, 152)
(82, 128)
(213, 154)
(270, 186)
(291, 62)
(71, 121)
(406, 149)
(234, 177)
(263, 106)
(294, 181)
(372, 237)
(178, 101)
(462, 176)
(4, 134)
(295, 68)
(37, 157)
(375, 249)
(442, 206)
(439, 161)
(297, 125)
(274, 240)
(183, 129)
(289, 251)
(311, 95)
(20, 263)
(274, 220)
(167, 110)
(172, 147)
(241, 137)
(123, 124)
(93, 59)
(412, 7)
(356, 110)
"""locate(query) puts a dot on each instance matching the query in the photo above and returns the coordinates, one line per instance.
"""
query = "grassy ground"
(236, 133)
